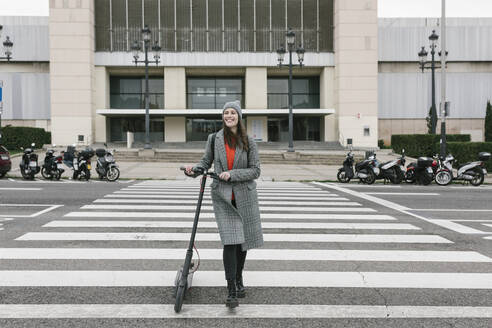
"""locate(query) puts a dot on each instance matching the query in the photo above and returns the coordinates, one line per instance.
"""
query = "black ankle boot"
(231, 300)
(241, 291)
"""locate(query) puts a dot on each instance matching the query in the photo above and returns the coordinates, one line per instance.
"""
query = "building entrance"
(120, 125)
(305, 128)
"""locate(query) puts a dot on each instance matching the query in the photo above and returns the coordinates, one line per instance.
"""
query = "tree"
(429, 121)
(488, 122)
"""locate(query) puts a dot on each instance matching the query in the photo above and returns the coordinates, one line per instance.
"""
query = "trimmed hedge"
(15, 137)
(468, 151)
(416, 145)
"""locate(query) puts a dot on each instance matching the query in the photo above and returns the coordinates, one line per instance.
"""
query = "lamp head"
(280, 54)
(135, 49)
(146, 34)
(291, 37)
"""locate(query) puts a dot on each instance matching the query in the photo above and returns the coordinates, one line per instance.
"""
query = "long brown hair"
(242, 135)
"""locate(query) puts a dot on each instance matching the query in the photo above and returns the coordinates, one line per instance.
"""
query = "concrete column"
(356, 71)
(71, 28)
(101, 96)
(256, 88)
(327, 100)
(175, 129)
(174, 88)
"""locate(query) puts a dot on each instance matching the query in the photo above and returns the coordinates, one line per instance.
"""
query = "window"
(129, 92)
(198, 129)
(305, 92)
(211, 93)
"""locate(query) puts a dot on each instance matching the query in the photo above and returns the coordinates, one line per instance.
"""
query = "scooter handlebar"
(199, 171)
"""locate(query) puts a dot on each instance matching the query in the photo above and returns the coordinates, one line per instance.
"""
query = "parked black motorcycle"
(106, 165)
(82, 164)
(391, 170)
(52, 166)
(363, 170)
(421, 171)
(29, 163)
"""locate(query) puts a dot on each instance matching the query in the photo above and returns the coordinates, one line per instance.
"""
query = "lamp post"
(291, 39)
(7, 46)
(146, 36)
(423, 61)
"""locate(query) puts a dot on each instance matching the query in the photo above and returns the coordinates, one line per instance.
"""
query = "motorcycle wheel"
(23, 173)
(477, 178)
(371, 178)
(443, 178)
(75, 175)
(57, 175)
(113, 174)
(425, 179)
(396, 176)
(45, 174)
(342, 177)
(410, 176)
(87, 175)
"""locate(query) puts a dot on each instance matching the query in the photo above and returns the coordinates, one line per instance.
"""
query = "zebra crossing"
(315, 238)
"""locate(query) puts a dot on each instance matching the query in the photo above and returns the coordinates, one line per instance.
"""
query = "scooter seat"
(461, 165)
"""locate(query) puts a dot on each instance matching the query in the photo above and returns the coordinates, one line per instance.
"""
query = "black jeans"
(234, 259)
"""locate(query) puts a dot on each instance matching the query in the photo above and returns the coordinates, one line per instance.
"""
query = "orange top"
(230, 153)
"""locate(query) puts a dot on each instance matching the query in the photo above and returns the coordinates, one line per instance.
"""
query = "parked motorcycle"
(82, 164)
(421, 171)
(364, 170)
(52, 167)
(391, 170)
(106, 165)
(29, 163)
(473, 172)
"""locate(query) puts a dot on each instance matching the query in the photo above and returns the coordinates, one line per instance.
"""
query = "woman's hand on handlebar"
(188, 170)
(226, 176)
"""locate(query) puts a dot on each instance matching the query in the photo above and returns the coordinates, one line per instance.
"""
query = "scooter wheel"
(180, 292)
(113, 174)
(371, 178)
(44, 173)
(443, 178)
(477, 178)
(342, 177)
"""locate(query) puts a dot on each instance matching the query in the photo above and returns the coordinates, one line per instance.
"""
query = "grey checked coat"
(241, 225)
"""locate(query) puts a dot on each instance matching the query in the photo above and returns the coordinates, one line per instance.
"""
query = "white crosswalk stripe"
(300, 222)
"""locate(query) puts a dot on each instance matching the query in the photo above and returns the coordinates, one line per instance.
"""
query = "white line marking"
(86, 278)
(403, 193)
(402, 209)
(195, 197)
(209, 224)
(446, 210)
(210, 208)
(253, 255)
(351, 185)
(314, 238)
(194, 187)
(457, 227)
(487, 225)
(50, 208)
(22, 189)
(215, 311)
(209, 202)
(189, 215)
(489, 237)
(195, 191)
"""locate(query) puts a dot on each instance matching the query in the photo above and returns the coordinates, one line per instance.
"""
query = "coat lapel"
(237, 155)
(222, 151)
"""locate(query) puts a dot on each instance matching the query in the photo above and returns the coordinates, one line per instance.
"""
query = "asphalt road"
(98, 254)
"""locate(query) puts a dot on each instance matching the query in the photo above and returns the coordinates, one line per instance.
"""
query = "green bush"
(488, 122)
(15, 137)
(416, 145)
(468, 151)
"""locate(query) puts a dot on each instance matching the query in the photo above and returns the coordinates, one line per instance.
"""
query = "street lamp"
(433, 66)
(291, 38)
(156, 49)
(423, 60)
(7, 46)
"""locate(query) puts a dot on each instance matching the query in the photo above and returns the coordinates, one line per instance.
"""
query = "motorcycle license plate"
(33, 164)
(484, 171)
(88, 166)
(60, 166)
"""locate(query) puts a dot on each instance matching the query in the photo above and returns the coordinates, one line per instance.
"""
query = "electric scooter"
(184, 277)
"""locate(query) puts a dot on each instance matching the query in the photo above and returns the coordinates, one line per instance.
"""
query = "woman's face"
(230, 117)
